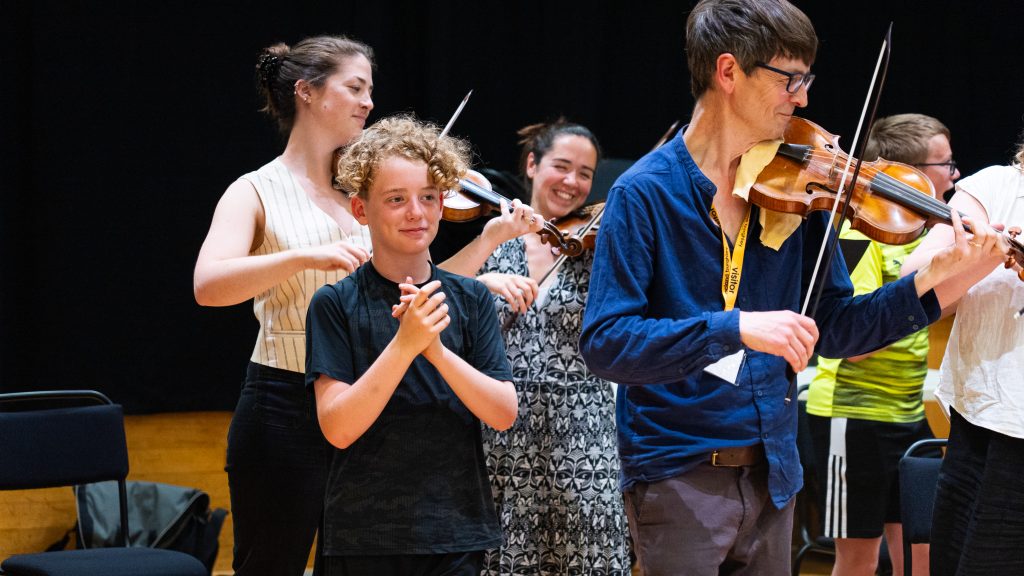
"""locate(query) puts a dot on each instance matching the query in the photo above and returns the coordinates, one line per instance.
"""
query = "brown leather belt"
(734, 457)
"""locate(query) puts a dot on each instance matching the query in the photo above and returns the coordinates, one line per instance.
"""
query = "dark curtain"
(123, 122)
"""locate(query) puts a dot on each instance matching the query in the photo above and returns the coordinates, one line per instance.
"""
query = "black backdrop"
(122, 122)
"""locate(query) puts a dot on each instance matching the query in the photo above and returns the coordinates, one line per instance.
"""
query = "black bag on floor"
(159, 516)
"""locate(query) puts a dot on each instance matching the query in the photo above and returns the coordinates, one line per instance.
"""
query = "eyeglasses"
(951, 165)
(796, 81)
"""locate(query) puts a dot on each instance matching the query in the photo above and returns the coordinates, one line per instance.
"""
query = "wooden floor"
(815, 567)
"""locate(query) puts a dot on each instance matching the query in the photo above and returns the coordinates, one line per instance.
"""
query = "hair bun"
(527, 133)
(267, 67)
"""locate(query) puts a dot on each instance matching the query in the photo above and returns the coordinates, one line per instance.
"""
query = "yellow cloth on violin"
(775, 226)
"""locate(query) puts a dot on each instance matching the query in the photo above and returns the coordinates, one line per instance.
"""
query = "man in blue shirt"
(695, 316)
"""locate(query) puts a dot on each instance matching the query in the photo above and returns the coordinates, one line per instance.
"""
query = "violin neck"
(896, 191)
(483, 194)
(927, 206)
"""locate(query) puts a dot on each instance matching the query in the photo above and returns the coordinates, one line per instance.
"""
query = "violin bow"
(668, 134)
(857, 147)
(857, 151)
(455, 116)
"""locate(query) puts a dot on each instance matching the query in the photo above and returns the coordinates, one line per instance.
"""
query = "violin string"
(924, 204)
(898, 191)
(864, 170)
(905, 195)
(819, 155)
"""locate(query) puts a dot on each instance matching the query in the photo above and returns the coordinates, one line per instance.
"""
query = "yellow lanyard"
(732, 263)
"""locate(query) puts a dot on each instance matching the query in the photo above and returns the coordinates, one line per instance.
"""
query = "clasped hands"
(422, 315)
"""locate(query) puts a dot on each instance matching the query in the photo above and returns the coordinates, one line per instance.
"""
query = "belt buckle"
(714, 461)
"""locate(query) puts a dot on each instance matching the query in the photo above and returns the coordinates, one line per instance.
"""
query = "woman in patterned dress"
(554, 474)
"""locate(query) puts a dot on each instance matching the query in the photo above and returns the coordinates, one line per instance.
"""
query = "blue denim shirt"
(655, 319)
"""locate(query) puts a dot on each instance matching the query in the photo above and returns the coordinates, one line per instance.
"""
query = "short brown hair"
(447, 158)
(903, 138)
(754, 31)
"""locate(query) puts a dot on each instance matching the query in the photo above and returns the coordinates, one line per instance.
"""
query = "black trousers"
(277, 464)
(978, 522)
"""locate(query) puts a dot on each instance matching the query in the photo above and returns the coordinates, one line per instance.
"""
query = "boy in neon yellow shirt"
(866, 411)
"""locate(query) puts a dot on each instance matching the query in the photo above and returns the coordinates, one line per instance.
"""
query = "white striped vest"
(292, 221)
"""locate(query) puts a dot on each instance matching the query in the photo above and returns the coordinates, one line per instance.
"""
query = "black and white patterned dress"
(554, 474)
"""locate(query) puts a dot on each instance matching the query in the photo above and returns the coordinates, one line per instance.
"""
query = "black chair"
(919, 476)
(68, 437)
(808, 501)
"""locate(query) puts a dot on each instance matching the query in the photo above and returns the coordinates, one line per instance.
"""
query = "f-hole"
(813, 186)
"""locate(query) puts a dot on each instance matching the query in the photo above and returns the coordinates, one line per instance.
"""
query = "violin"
(582, 225)
(891, 202)
(472, 201)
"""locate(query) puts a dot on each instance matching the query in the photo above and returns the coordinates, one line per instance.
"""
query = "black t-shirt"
(415, 481)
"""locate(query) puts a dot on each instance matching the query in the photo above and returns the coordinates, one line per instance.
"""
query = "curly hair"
(447, 158)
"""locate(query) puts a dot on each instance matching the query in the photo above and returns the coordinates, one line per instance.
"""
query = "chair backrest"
(919, 476)
(608, 171)
(46, 447)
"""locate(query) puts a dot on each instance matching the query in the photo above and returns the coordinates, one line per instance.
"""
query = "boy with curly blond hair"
(405, 361)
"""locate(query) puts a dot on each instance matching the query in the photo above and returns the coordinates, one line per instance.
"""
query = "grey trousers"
(710, 521)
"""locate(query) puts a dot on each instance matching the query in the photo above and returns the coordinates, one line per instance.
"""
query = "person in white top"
(978, 524)
(277, 235)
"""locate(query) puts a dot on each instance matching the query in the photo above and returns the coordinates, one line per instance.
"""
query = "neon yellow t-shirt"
(886, 386)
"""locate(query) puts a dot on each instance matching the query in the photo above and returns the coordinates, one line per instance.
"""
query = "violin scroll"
(582, 225)
(1015, 256)
(561, 239)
